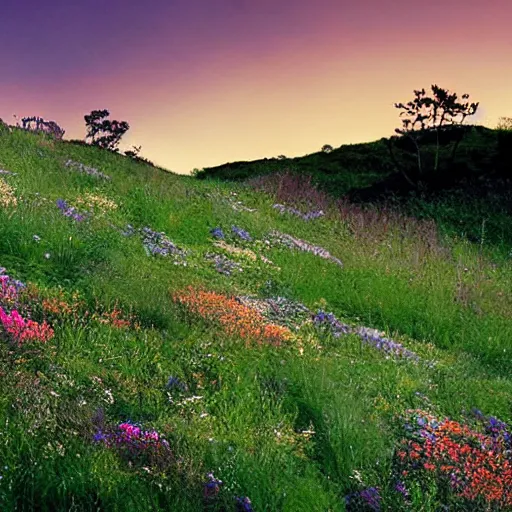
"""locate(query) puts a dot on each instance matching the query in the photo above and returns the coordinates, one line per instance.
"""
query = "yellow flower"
(96, 202)
(7, 197)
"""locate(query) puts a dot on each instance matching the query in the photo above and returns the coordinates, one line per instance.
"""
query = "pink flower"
(23, 330)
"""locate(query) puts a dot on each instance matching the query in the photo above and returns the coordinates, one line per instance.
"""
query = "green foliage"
(295, 427)
(432, 115)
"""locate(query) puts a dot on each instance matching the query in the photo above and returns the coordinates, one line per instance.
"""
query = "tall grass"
(295, 427)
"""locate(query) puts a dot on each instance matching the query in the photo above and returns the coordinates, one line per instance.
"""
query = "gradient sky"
(204, 82)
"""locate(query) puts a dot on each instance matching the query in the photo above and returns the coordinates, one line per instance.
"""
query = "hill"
(474, 190)
(169, 343)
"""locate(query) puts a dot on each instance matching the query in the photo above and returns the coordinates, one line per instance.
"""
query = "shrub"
(104, 133)
(134, 155)
(41, 126)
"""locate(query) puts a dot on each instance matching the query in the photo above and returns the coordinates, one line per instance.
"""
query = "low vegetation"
(170, 343)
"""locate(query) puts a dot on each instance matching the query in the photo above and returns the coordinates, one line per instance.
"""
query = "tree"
(436, 118)
(504, 123)
(327, 148)
(110, 132)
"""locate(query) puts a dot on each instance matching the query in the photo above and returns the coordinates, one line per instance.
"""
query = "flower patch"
(233, 317)
(476, 465)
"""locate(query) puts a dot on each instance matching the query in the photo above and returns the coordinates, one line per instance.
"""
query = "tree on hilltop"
(104, 133)
(437, 119)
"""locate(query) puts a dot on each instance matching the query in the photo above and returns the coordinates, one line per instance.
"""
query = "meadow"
(169, 343)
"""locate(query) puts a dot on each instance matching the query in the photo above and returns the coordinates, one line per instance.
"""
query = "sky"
(205, 82)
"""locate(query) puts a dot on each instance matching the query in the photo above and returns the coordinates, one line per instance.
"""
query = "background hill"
(474, 190)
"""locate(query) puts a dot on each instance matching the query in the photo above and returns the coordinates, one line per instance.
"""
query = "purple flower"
(244, 235)
(367, 499)
(174, 382)
(211, 486)
(400, 487)
(368, 336)
(158, 243)
(243, 504)
(217, 233)
(223, 264)
(295, 243)
(100, 436)
(61, 204)
(336, 327)
(69, 211)
(305, 216)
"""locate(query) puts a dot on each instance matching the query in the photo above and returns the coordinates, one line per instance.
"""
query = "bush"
(41, 126)
(110, 132)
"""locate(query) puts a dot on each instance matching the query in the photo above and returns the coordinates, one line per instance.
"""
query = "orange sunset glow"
(203, 85)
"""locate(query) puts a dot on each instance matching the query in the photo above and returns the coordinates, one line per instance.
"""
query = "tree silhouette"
(103, 132)
(439, 117)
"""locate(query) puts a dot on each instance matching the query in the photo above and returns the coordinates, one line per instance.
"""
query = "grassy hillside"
(474, 190)
(184, 345)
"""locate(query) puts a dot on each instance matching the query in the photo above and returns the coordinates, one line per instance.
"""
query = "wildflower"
(400, 488)
(91, 171)
(233, 317)
(367, 499)
(374, 338)
(236, 250)
(23, 330)
(211, 486)
(295, 243)
(305, 216)
(141, 447)
(278, 309)
(7, 197)
(217, 233)
(244, 235)
(96, 203)
(47, 255)
(243, 504)
(368, 336)
(69, 211)
(10, 290)
(158, 244)
(223, 264)
(476, 465)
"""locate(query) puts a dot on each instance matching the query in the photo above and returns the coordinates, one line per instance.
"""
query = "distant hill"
(367, 170)
(473, 190)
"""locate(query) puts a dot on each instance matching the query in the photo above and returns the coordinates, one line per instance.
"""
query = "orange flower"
(233, 317)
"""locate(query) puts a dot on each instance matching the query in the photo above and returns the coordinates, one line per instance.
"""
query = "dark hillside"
(472, 190)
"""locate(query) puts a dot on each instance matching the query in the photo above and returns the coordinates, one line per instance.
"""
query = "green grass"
(451, 303)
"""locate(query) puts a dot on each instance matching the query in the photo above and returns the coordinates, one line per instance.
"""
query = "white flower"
(110, 398)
